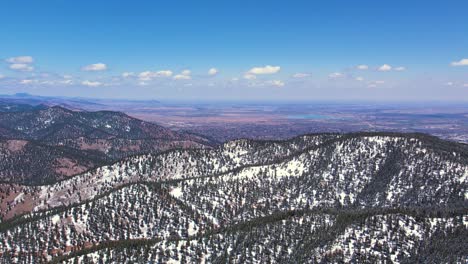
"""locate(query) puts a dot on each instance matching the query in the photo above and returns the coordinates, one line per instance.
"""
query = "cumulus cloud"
(91, 83)
(20, 60)
(95, 67)
(268, 69)
(27, 81)
(21, 67)
(149, 75)
(67, 81)
(146, 75)
(165, 73)
(213, 71)
(360, 79)
(277, 83)
(362, 67)
(184, 75)
(401, 68)
(449, 83)
(301, 75)
(335, 75)
(462, 62)
(21, 63)
(250, 76)
(385, 68)
(128, 74)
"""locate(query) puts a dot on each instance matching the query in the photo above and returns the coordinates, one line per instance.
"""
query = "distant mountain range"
(317, 198)
(41, 144)
(24, 101)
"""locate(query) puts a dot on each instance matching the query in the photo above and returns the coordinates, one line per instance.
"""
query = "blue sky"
(272, 50)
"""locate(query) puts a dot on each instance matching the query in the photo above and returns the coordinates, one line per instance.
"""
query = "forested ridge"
(318, 198)
(41, 144)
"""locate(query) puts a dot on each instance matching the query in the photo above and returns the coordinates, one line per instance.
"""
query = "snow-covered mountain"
(319, 198)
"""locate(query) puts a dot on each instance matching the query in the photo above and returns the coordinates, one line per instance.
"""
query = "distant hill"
(56, 123)
(72, 103)
(92, 138)
(8, 106)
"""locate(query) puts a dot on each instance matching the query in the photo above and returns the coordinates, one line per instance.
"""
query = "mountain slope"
(9, 106)
(315, 198)
(56, 123)
(91, 138)
(29, 161)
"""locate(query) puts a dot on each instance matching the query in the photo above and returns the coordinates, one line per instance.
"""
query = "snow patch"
(177, 192)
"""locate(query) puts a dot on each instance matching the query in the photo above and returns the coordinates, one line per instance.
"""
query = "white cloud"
(21, 63)
(465, 85)
(335, 75)
(462, 62)
(360, 79)
(250, 76)
(401, 68)
(20, 60)
(277, 83)
(372, 85)
(68, 81)
(91, 83)
(182, 77)
(449, 83)
(379, 82)
(95, 67)
(213, 71)
(27, 81)
(21, 67)
(67, 76)
(128, 74)
(362, 67)
(385, 68)
(149, 75)
(2, 76)
(268, 69)
(145, 76)
(164, 73)
(235, 79)
(301, 75)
